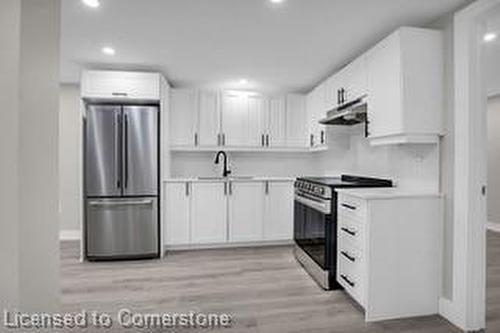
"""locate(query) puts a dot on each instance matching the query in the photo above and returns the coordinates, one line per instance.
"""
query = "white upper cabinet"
(278, 210)
(296, 121)
(119, 85)
(208, 119)
(316, 109)
(245, 207)
(257, 119)
(356, 80)
(405, 87)
(208, 221)
(235, 116)
(183, 117)
(276, 123)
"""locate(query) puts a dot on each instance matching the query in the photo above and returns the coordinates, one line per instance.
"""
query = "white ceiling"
(214, 43)
(492, 54)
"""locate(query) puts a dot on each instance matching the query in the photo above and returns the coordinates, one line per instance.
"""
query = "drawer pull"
(349, 257)
(119, 94)
(346, 279)
(350, 232)
(349, 206)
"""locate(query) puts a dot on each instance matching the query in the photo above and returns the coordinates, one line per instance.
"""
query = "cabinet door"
(121, 85)
(320, 113)
(276, 123)
(258, 120)
(384, 88)
(296, 121)
(312, 122)
(235, 119)
(177, 214)
(356, 79)
(246, 201)
(208, 213)
(333, 85)
(278, 212)
(209, 117)
(183, 117)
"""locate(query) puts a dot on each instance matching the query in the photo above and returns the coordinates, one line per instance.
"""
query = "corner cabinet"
(389, 252)
(227, 213)
(405, 88)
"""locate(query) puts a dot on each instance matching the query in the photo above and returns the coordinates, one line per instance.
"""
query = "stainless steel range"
(315, 223)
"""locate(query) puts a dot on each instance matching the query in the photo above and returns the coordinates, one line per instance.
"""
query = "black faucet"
(226, 171)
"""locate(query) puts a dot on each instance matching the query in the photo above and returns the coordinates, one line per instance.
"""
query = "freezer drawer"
(122, 228)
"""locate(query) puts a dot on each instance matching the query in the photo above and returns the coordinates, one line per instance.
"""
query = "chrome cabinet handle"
(267, 187)
(225, 188)
(267, 140)
(196, 139)
(223, 139)
(312, 140)
(187, 189)
(123, 94)
(262, 140)
(230, 188)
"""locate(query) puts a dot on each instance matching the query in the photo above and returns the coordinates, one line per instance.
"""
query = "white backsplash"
(188, 164)
(410, 166)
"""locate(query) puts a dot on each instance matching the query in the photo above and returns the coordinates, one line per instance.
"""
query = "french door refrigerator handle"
(125, 151)
(122, 203)
(118, 170)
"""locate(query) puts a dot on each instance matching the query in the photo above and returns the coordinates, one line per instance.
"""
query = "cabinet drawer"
(351, 278)
(351, 230)
(352, 207)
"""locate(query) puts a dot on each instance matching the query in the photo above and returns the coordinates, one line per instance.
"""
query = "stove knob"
(322, 191)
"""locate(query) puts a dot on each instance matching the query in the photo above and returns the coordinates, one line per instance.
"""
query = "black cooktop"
(348, 181)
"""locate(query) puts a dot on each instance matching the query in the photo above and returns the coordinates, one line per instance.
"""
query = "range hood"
(350, 113)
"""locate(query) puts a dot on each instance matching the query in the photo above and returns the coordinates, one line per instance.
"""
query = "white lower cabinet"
(389, 253)
(278, 211)
(204, 213)
(177, 230)
(245, 207)
(208, 213)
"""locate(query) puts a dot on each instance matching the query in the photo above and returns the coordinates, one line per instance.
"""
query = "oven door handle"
(323, 207)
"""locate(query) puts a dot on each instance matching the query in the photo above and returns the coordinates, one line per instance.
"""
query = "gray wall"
(29, 73)
(494, 159)
(70, 124)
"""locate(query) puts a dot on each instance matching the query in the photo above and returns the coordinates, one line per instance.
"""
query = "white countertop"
(233, 179)
(387, 193)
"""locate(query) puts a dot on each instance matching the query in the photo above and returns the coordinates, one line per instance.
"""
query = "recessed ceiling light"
(489, 37)
(243, 81)
(108, 50)
(91, 3)
(277, 1)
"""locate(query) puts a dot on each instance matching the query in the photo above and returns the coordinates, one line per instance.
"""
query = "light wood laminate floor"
(264, 289)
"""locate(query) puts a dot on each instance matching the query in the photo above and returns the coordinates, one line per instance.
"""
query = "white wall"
(494, 159)
(10, 13)
(29, 250)
(70, 163)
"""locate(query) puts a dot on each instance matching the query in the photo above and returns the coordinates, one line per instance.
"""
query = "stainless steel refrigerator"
(121, 182)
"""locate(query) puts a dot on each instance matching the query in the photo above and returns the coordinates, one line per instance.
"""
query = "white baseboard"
(69, 235)
(449, 312)
(492, 226)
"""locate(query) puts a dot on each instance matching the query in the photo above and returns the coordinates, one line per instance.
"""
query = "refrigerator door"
(122, 228)
(103, 151)
(140, 150)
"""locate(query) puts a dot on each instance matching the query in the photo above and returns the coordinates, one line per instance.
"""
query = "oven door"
(312, 222)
